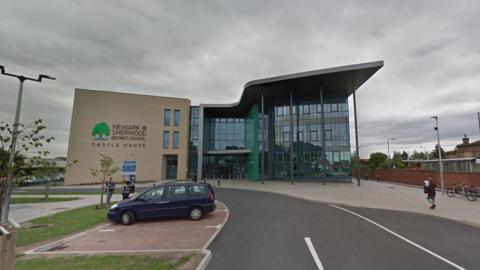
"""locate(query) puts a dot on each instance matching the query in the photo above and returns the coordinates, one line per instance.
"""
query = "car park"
(172, 199)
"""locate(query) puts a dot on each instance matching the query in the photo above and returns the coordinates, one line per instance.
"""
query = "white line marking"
(401, 237)
(59, 242)
(314, 253)
(107, 230)
(214, 226)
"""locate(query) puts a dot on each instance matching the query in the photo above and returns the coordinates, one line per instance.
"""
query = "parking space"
(144, 236)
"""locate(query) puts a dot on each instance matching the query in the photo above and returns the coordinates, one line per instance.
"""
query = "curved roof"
(336, 82)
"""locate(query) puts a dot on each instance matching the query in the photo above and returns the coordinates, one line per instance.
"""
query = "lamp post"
(388, 151)
(7, 192)
(439, 150)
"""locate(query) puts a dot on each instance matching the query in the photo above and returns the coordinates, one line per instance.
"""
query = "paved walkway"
(369, 194)
(28, 211)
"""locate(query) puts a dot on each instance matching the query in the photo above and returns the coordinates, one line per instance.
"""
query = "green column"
(252, 166)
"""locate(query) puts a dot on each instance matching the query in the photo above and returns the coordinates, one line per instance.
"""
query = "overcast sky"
(207, 51)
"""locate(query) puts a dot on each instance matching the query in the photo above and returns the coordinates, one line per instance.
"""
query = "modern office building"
(150, 132)
(293, 127)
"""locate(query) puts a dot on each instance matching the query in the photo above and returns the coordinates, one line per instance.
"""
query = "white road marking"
(215, 226)
(314, 253)
(107, 230)
(401, 237)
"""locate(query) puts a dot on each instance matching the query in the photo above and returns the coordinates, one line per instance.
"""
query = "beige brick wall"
(92, 107)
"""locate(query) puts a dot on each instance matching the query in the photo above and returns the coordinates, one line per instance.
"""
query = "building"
(150, 131)
(293, 127)
(466, 149)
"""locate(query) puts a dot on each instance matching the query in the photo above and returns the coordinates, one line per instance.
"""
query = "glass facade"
(224, 134)
(298, 136)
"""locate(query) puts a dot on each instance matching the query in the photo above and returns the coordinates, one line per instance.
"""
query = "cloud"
(207, 50)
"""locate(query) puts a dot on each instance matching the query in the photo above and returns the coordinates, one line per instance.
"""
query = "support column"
(292, 177)
(262, 154)
(357, 164)
(200, 143)
(324, 152)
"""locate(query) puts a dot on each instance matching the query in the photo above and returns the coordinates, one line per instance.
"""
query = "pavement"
(370, 194)
(25, 212)
(270, 231)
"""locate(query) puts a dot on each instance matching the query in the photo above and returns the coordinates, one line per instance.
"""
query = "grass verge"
(20, 200)
(61, 224)
(102, 263)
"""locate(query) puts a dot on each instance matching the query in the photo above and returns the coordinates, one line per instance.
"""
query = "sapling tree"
(107, 168)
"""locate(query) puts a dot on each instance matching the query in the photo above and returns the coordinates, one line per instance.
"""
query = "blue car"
(173, 199)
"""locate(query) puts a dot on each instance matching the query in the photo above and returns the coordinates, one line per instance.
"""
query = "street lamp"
(6, 194)
(388, 151)
(439, 150)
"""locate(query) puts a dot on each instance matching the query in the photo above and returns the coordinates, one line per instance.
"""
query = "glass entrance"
(224, 167)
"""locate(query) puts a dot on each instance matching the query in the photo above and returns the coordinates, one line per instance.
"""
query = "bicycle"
(464, 191)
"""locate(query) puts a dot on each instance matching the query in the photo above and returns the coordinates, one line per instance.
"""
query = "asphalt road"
(267, 231)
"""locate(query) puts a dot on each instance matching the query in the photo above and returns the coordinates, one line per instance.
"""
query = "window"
(313, 135)
(153, 194)
(176, 192)
(166, 120)
(166, 135)
(176, 118)
(176, 138)
(197, 190)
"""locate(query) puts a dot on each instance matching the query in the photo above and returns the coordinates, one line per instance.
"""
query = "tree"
(434, 153)
(378, 160)
(31, 143)
(397, 160)
(44, 169)
(418, 155)
(107, 169)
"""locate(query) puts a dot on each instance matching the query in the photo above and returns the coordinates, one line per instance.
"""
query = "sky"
(207, 50)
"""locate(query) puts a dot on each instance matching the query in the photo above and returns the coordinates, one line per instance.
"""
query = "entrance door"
(172, 162)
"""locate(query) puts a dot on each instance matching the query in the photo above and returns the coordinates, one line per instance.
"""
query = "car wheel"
(127, 218)
(196, 213)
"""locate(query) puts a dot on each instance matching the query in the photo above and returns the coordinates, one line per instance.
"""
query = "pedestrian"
(110, 186)
(430, 189)
(126, 190)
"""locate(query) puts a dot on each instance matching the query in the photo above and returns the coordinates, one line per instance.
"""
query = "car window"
(154, 194)
(177, 191)
(197, 190)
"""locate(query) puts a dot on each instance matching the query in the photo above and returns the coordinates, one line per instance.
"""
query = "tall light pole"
(388, 151)
(439, 150)
(7, 192)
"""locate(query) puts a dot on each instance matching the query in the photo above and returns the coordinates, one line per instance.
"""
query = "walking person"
(430, 189)
(126, 190)
(110, 187)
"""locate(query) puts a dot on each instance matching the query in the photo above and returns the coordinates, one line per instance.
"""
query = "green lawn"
(40, 199)
(101, 263)
(63, 223)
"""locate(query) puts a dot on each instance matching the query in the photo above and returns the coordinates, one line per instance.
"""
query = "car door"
(151, 204)
(177, 196)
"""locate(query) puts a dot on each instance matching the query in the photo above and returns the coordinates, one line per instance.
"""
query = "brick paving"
(148, 236)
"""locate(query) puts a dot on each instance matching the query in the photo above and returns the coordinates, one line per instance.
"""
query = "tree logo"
(101, 131)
